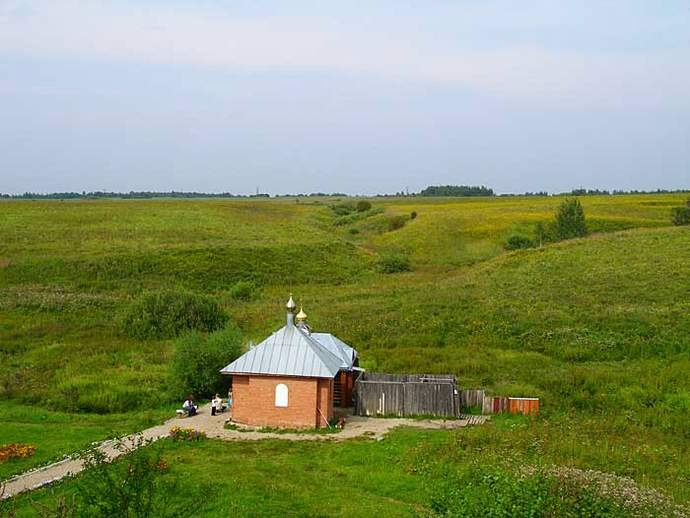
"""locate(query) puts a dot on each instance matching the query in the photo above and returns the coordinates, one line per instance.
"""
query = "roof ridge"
(345, 351)
(287, 351)
(315, 343)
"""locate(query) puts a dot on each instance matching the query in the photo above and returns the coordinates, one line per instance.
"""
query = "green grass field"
(597, 327)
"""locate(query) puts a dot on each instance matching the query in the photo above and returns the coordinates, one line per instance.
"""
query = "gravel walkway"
(213, 426)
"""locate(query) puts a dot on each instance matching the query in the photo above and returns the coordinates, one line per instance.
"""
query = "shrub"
(362, 206)
(197, 360)
(166, 314)
(570, 220)
(681, 215)
(357, 216)
(244, 290)
(518, 242)
(413, 214)
(131, 486)
(343, 209)
(396, 222)
(354, 231)
(394, 263)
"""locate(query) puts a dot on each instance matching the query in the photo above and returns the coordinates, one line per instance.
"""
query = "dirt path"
(213, 426)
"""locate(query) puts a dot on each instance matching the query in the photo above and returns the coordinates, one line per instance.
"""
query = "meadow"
(596, 327)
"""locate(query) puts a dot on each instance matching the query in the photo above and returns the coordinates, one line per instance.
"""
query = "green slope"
(598, 327)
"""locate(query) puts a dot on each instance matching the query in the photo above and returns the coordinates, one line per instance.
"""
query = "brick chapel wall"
(254, 401)
(325, 402)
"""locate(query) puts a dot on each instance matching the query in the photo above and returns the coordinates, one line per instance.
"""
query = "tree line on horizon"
(457, 190)
(450, 191)
(131, 195)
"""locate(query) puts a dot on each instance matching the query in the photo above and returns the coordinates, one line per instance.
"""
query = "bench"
(183, 412)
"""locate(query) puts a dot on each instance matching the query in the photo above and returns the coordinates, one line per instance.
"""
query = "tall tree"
(570, 220)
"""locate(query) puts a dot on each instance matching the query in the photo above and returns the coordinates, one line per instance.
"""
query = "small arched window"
(281, 395)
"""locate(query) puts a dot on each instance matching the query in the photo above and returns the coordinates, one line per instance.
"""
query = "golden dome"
(290, 304)
(301, 315)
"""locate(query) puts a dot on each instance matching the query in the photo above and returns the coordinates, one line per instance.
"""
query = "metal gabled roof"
(288, 352)
(339, 348)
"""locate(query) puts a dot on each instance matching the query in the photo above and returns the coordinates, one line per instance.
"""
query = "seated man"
(189, 406)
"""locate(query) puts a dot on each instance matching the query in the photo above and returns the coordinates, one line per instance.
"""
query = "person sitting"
(189, 406)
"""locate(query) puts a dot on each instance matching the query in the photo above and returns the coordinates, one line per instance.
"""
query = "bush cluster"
(397, 222)
(349, 213)
(518, 242)
(363, 206)
(681, 215)
(167, 314)
(197, 360)
(343, 209)
(569, 222)
(131, 486)
(394, 263)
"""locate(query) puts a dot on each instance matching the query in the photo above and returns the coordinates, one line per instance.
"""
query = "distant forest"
(430, 191)
(457, 190)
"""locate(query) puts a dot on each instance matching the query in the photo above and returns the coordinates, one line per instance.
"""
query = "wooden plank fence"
(430, 398)
(523, 405)
(477, 398)
(472, 398)
(414, 394)
(406, 395)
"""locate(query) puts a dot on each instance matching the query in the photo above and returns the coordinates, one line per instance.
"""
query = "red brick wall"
(325, 402)
(253, 401)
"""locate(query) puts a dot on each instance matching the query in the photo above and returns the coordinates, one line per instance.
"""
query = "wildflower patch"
(178, 433)
(16, 451)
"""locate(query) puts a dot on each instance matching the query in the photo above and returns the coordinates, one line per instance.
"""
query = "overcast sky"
(355, 97)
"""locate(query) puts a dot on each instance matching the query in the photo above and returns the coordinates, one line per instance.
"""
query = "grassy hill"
(596, 327)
